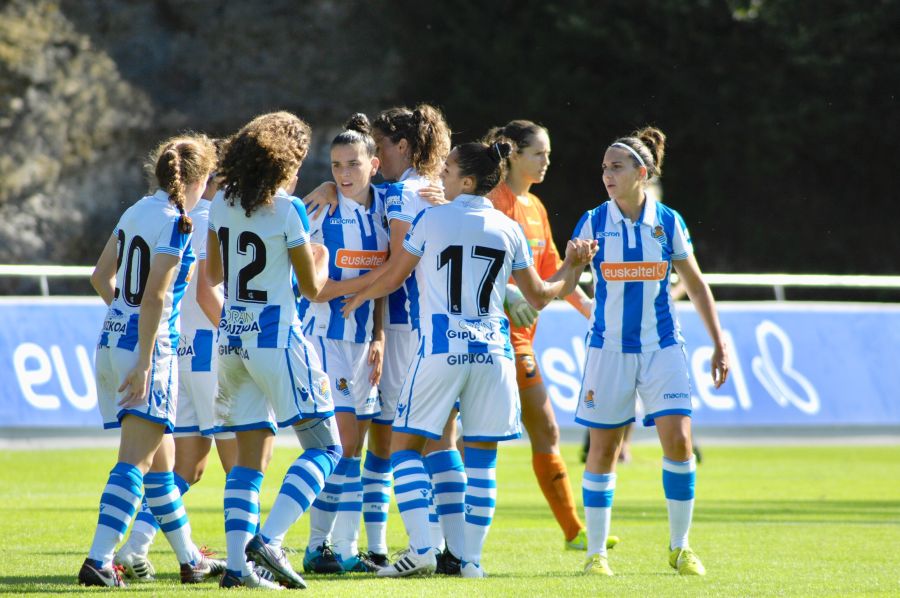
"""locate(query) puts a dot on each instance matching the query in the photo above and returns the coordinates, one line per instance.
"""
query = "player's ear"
(375, 164)
(468, 184)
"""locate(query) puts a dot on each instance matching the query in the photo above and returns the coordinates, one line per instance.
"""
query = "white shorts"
(613, 381)
(485, 385)
(399, 350)
(112, 364)
(348, 369)
(271, 388)
(197, 379)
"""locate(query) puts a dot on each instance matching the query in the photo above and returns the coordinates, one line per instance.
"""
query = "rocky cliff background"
(88, 87)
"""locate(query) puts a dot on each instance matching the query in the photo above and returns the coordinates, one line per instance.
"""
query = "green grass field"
(786, 521)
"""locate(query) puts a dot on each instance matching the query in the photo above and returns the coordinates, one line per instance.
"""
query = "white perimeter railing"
(778, 282)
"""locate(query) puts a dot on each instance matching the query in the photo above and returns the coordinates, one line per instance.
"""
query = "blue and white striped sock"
(412, 489)
(241, 515)
(346, 524)
(597, 491)
(376, 480)
(435, 533)
(145, 526)
(164, 500)
(678, 479)
(324, 508)
(118, 503)
(142, 532)
(448, 481)
(481, 500)
(302, 483)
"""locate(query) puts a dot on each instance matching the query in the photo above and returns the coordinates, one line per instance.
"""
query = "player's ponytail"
(426, 132)
(647, 148)
(180, 162)
(483, 162)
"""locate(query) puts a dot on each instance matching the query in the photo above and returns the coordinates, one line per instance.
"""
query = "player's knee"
(320, 434)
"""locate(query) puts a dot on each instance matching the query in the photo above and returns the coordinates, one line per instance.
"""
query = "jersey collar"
(161, 195)
(406, 174)
(473, 201)
(648, 213)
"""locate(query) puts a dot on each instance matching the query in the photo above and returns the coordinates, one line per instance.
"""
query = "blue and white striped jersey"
(147, 228)
(260, 307)
(468, 251)
(357, 242)
(192, 317)
(633, 309)
(403, 203)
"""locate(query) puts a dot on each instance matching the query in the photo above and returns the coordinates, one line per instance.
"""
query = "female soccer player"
(141, 274)
(462, 250)
(527, 166)
(635, 347)
(351, 350)
(411, 146)
(195, 420)
(269, 374)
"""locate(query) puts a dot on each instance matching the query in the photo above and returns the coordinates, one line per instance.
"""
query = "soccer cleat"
(205, 568)
(380, 560)
(472, 571)
(410, 563)
(91, 575)
(135, 566)
(686, 562)
(275, 561)
(447, 563)
(359, 564)
(321, 560)
(597, 564)
(579, 542)
(253, 581)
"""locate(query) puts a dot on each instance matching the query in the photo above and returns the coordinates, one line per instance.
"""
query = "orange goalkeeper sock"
(553, 479)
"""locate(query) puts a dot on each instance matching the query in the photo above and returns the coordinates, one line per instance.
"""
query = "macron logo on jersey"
(633, 271)
(359, 259)
(337, 220)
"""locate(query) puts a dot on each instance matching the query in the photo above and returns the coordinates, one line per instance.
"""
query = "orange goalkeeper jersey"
(530, 213)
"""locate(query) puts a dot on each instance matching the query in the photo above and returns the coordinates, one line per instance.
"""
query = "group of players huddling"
(388, 316)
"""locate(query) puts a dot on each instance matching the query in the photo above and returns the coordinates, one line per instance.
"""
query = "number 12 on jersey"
(452, 257)
(245, 241)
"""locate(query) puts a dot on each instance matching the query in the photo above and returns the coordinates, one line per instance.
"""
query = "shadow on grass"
(848, 512)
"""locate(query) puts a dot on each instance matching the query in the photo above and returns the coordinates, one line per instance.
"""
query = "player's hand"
(351, 304)
(323, 197)
(521, 314)
(433, 194)
(134, 387)
(376, 359)
(579, 252)
(719, 365)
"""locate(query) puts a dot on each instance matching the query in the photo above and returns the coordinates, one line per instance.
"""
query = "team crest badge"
(589, 399)
(660, 235)
(343, 387)
(324, 387)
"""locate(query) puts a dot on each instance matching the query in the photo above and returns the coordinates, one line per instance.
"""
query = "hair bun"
(500, 151)
(358, 122)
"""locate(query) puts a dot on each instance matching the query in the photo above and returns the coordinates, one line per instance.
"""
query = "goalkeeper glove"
(521, 314)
